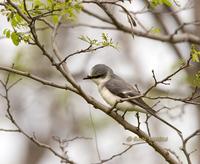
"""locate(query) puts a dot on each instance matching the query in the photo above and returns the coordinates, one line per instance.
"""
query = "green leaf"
(167, 3)
(195, 57)
(38, 4)
(104, 36)
(155, 30)
(55, 19)
(8, 34)
(198, 75)
(26, 38)
(106, 41)
(155, 3)
(195, 53)
(82, 37)
(14, 22)
(15, 38)
(4, 31)
(18, 18)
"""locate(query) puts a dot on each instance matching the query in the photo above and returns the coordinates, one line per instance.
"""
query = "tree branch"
(36, 78)
(19, 129)
(174, 38)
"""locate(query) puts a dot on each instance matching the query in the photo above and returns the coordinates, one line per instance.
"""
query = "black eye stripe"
(94, 77)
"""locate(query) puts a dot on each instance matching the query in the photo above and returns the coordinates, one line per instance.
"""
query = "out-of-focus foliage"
(37, 10)
(194, 79)
(105, 42)
(195, 52)
(155, 30)
(155, 3)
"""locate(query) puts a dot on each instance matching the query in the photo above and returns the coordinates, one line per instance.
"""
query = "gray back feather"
(121, 88)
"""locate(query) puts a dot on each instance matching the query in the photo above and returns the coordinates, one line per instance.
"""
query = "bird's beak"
(87, 77)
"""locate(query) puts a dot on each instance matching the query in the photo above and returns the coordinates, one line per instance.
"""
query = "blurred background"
(49, 112)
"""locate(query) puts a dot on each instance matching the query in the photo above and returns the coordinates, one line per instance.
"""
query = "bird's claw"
(124, 114)
(138, 119)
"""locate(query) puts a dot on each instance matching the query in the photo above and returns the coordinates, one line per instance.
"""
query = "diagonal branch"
(36, 78)
(184, 143)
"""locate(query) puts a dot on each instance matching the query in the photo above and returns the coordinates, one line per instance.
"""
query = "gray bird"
(113, 88)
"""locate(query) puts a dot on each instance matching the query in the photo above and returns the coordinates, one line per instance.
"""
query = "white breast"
(111, 100)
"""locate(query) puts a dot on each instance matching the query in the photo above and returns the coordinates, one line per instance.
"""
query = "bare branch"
(184, 37)
(119, 154)
(56, 138)
(78, 52)
(195, 133)
(9, 130)
(184, 143)
(36, 78)
(20, 130)
(177, 157)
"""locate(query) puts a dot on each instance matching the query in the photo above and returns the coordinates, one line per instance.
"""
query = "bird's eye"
(97, 76)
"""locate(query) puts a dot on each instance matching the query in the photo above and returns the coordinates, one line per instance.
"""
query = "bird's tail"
(153, 113)
(159, 118)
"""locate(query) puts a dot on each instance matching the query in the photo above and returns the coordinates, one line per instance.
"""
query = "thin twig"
(119, 154)
(95, 136)
(36, 78)
(19, 129)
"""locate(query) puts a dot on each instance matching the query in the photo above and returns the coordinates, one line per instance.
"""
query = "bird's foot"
(138, 120)
(124, 114)
(113, 107)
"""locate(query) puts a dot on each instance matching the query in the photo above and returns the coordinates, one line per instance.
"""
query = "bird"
(113, 88)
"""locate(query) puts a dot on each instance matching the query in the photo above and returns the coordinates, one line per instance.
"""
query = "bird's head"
(99, 73)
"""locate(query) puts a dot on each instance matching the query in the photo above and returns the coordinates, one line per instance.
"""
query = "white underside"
(111, 100)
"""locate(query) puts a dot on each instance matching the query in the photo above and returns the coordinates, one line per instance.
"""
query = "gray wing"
(121, 88)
